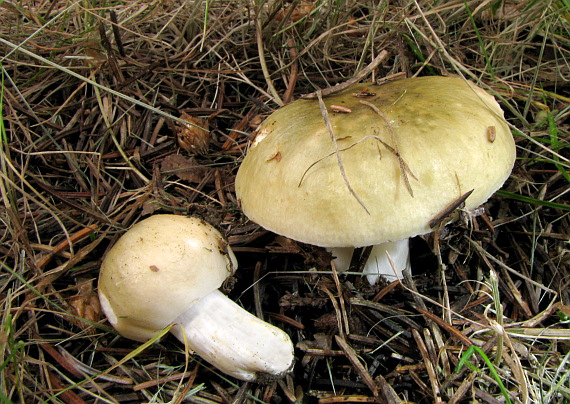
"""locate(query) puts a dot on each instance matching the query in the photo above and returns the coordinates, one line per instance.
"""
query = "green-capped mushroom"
(404, 151)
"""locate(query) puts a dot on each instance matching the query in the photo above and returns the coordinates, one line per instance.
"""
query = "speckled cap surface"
(409, 149)
(158, 269)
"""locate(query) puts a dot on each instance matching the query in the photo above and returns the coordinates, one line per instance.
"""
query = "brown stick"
(327, 121)
(345, 84)
(288, 96)
(77, 236)
(353, 358)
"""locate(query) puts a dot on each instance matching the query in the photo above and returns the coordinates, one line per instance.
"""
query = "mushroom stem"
(234, 340)
(378, 263)
(342, 257)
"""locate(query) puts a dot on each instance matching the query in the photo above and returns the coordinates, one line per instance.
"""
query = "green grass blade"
(488, 65)
(464, 361)
(532, 201)
(556, 145)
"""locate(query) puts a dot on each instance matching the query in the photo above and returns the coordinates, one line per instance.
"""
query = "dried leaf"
(185, 168)
(194, 137)
(85, 304)
(302, 10)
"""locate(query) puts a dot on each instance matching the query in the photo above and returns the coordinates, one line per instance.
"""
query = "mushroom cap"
(450, 134)
(158, 269)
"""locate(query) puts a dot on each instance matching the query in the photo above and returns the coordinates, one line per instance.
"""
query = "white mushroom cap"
(450, 134)
(158, 269)
(167, 270)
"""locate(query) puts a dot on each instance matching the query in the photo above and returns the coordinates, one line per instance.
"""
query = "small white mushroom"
(167, 270)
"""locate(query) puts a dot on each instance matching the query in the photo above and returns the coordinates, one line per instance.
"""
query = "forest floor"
(94, 95)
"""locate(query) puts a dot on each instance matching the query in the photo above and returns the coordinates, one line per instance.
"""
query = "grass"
(91, 97)
(464, 361)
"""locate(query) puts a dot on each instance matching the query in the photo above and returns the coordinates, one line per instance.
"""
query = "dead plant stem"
(325, 115)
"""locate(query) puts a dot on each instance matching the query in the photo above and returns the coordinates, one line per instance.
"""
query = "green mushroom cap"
(408, 149)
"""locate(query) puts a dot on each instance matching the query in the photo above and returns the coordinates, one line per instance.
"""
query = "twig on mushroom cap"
(404, 168)
(325, 115)
(345, 84)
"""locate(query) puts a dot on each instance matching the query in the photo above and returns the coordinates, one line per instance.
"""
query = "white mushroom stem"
(387, 259)
(233, 340)
(342, 257)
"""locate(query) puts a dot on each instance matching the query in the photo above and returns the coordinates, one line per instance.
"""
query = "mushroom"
(404, 151)
(167, 270)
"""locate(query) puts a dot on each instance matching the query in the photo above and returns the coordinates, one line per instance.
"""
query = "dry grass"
(90, 97)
